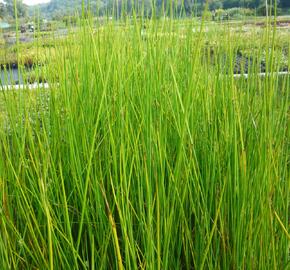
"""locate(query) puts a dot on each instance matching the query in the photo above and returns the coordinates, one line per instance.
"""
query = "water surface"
(10, 76)
(4, 25)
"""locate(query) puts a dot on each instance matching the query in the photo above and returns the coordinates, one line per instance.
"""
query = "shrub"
(240, 12)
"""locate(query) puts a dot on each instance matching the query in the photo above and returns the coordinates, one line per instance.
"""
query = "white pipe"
(33, 86)
(246, 76)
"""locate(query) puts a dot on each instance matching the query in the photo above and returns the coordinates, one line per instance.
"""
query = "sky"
(34, 2)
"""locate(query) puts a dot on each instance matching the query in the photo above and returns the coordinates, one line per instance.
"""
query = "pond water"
(10, 76)
(4, 25)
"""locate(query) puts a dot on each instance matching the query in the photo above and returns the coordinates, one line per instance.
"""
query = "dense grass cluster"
(146, 153)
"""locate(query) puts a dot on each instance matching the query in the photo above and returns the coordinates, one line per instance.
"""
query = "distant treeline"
(60, 8)
(7, 9)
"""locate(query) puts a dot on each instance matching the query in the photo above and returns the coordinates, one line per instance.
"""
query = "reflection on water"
(4, 25)
(10, 76)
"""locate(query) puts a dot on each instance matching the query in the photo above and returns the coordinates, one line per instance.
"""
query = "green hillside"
(58, 8)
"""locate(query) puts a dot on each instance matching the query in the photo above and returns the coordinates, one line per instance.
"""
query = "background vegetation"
(58, 8)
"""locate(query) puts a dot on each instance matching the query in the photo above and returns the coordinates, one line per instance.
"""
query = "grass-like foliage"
(147, 153)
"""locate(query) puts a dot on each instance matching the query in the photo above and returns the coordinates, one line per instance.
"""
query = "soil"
(284, 23)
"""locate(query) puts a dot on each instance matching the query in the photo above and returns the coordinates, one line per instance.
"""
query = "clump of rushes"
(144, 155)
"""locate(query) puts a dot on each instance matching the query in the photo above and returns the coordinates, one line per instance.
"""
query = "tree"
(2, 10)
(60, 8)
(284, 3)
(215, 4)
(10, 8)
